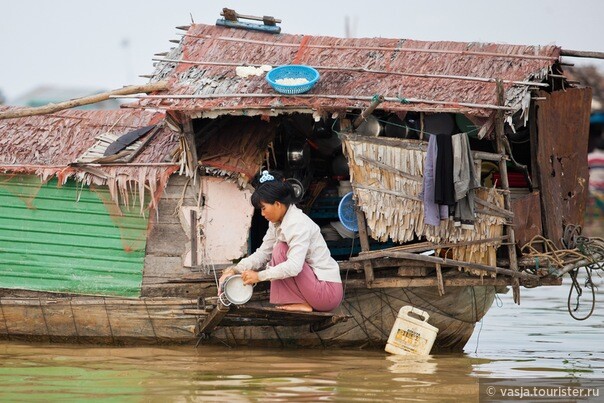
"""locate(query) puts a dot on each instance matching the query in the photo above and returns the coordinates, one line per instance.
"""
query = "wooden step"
(256, 315)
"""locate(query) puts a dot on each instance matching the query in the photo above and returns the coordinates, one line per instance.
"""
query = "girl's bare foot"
(302, 307)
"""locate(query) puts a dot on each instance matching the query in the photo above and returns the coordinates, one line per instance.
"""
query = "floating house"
(115, 225)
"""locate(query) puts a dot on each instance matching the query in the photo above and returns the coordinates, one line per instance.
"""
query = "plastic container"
(292, 71)
(347, 213)
(344, 187)
(410, 335)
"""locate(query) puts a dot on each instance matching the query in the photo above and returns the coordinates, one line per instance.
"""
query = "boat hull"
(371, 312)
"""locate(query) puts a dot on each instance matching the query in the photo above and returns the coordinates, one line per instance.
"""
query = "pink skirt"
(322, 296)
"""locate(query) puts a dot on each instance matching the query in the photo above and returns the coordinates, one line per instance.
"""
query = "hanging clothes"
(433, 212)
(464, 180)
(444, 190)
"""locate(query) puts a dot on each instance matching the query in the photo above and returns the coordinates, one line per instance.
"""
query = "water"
(534, 340)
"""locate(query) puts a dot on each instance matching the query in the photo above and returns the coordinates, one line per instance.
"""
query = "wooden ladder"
(505, 185)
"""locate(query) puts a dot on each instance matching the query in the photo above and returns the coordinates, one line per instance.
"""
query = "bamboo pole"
(362, 70)
(328, 96)
(422, 247)
(582, 53)
(368, 111)
(381, 48)
(459, 263)
(51, 108)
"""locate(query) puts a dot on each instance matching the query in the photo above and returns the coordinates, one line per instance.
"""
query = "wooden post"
(189, 137)
(439, 278)
(214, 318)
(533, 142)
(364, 238)
(193, 238)
(503, 171)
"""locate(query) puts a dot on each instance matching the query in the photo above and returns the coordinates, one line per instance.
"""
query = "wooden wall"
(167, 242)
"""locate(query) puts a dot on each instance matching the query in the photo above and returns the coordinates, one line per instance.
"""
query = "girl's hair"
(273, 190)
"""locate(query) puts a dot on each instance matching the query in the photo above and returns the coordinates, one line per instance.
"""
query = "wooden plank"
(167, 212)
(448, 282)
(405, 271)
(193, 237)
(213, 318)
(439, 280)
(420, 247)
(563, 132)
(189, 137)
(159, 288)
(167, 240)
(503, 212)
(97, 319)
(380, 263)
(533, 141)
(458, 263)
(364, 238)
(527, 217)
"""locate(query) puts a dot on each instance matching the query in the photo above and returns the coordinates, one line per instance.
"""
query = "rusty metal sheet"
(563, 132)
(527, 217)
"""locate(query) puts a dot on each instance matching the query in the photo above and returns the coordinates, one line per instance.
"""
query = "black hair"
(275, 190)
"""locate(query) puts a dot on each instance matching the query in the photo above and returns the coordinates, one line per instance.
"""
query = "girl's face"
(273, 212)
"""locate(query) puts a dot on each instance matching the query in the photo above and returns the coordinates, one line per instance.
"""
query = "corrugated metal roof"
(352, 67)
(64, 239)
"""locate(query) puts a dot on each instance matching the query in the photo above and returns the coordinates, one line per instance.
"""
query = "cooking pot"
(234, 291)
(297, 186)
(370, 127)
(298, 153)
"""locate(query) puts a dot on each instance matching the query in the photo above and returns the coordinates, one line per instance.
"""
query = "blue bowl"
(292, 71)
(347, 213)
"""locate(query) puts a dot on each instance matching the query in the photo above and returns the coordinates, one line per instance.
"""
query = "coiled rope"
(579, 253)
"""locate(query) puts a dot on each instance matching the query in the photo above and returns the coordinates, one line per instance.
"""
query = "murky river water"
(534, 340)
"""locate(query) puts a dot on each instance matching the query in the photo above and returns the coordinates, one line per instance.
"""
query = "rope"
(44, 317)
(4, 317)
(385, 122)
(150, 321)
(577, 249)
(108, 321)
(75, 326)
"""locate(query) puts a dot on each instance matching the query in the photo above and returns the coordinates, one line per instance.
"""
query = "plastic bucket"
(410, 335)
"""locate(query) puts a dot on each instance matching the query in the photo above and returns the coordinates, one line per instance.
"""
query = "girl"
(303, 275)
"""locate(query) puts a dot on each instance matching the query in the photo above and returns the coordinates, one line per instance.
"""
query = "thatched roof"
(50, 145)
(435, 76)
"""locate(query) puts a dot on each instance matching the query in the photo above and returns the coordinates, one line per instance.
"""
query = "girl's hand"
(249, 277)
(229, 271)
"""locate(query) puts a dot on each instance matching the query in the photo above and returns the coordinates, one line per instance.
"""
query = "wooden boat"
(126, 247)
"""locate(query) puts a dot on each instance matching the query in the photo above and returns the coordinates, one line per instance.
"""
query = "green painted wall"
(70, 238)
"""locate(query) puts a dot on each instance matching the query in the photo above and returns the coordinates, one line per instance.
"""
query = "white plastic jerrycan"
(410, 335)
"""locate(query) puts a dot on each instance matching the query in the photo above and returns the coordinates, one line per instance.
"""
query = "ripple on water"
(535, 339)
